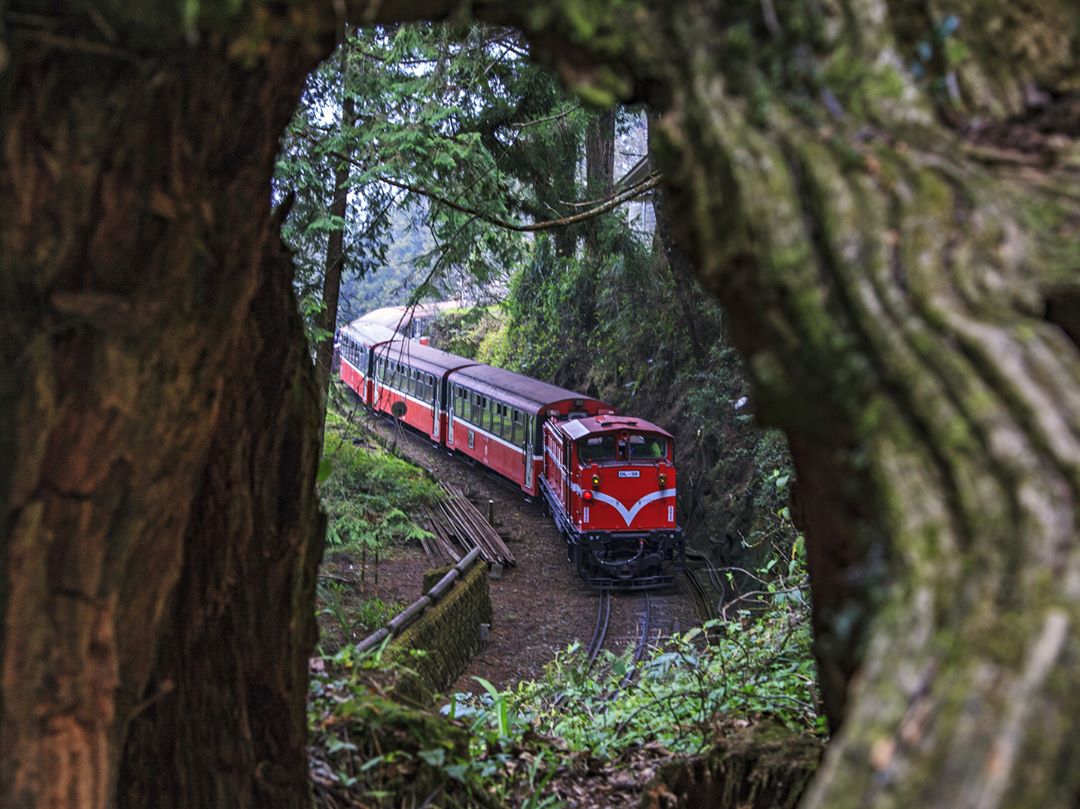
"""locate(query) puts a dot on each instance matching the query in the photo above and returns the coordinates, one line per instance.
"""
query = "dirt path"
(541, 606)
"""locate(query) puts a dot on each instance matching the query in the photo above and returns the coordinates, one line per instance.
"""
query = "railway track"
(699, 591)
(644, 627)
(603, 618)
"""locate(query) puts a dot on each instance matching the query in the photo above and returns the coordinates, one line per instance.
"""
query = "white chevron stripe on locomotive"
(627, 514)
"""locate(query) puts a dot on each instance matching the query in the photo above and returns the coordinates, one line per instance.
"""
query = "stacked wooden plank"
(458, 526)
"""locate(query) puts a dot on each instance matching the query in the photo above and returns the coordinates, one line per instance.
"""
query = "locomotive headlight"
(586, 495)
(596, 481)
(661, 479)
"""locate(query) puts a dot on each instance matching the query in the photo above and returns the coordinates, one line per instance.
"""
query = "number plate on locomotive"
(633, 473)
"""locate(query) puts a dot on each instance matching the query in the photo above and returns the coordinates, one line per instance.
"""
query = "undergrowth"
(367, 492)
(506, 748)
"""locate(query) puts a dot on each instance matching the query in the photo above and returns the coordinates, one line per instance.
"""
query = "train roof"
(518, 390)
(425, 358)
(398, 318)
(609, 423)
(368, 333)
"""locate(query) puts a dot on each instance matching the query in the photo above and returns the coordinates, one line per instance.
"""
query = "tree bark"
(600, 155)
(599, 183)
(886, 277)
(667, 246)
(158, 418)
(334, 264)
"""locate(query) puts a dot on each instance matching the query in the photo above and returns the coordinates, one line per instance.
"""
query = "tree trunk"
(886, 277)
(674, 257)
(158, 420)
(334, 264)
(600, 155)
(599, 181)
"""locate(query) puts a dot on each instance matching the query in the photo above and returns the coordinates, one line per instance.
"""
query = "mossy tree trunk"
(886, 264)
(158, 420)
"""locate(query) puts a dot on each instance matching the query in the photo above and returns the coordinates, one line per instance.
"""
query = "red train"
(609, 480)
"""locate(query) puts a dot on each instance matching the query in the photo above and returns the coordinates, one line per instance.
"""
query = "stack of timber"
(458, 527)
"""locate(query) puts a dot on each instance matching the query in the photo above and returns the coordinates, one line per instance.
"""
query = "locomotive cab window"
(596, 449)
(647, 448)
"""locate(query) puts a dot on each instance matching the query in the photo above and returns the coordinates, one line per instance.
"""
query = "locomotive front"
(617, 480)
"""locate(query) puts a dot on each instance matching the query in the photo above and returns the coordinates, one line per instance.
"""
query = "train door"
(566, 459)
(530, 444)
(452, 400)
(436, 391)
(519, 427)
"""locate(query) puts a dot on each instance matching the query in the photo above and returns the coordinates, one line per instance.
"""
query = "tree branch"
(610, 203)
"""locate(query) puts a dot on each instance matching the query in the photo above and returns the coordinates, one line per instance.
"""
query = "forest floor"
(540, 605)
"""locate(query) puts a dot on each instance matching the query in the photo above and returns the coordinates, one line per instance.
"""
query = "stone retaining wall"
(438, 646)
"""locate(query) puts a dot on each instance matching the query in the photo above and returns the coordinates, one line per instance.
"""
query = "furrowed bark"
(886, 284)
(335, 262)
(159, 425)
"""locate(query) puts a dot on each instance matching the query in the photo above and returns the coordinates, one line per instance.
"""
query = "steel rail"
(603, 616)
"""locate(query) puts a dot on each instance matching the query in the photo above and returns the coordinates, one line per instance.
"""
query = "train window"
(519, 432)
(596, 448)
(647, 448)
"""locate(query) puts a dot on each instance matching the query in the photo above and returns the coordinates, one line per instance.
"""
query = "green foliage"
(352, 620)
(451, 130)
(466, 332)
(369, 750)
(367, 493)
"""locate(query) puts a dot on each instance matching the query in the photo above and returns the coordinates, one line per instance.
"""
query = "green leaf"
(436, 757)
(326, 468)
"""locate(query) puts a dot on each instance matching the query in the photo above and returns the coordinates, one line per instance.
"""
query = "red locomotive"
(608, 480)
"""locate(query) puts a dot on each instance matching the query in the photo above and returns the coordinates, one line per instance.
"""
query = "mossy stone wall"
(437, 648)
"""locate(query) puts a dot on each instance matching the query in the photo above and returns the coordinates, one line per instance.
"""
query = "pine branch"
(609, 204)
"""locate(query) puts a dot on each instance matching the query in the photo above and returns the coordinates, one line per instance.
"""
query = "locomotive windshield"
(647, 448)
(608, 447)
(597, 448)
